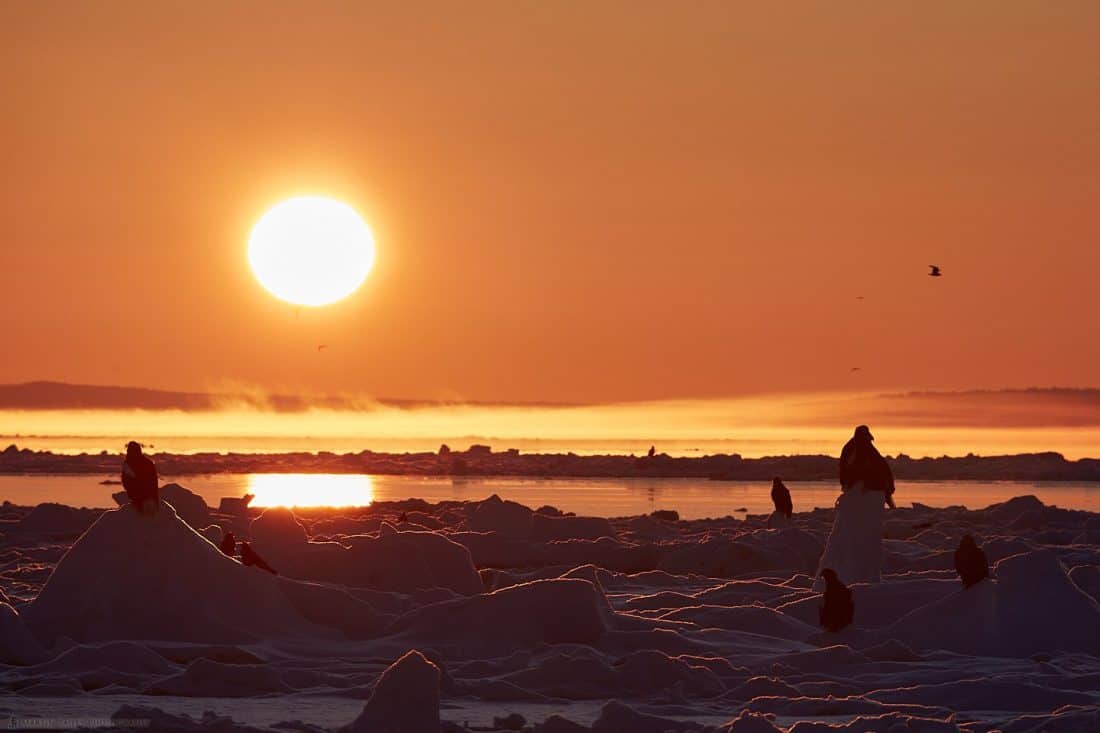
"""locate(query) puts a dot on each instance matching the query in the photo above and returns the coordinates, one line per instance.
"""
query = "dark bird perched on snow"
(970, 562)
(781, 497)
(139, 478)
(229, 544)
(838, 610)
(860, 461)
(249, 557)
(652, 451)
(935, 271)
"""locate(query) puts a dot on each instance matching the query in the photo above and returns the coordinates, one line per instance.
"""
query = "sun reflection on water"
(310, 489)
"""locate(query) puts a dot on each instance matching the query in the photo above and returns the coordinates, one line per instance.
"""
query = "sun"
(311, 250)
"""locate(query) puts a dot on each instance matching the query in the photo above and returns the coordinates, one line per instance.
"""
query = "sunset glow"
(599, 366)
(311, 250)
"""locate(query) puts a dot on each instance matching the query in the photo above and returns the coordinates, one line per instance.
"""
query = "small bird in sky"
(935, 271)
(856, 369)
(322, 347)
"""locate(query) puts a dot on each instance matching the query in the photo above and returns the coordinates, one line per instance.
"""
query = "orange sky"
(572, 201)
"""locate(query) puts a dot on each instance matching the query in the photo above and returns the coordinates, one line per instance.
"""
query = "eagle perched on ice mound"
(838, 610)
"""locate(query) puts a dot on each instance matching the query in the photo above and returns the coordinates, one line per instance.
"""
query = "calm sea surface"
(692, 498)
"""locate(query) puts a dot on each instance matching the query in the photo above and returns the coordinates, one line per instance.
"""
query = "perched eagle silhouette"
(935, 271)
(781, 498)
(838, 610)
(971, 562)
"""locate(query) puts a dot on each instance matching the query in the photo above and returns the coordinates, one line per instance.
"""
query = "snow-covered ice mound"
(135, 577)
(17, 644)
(207, 678)
(277, 533)
(405, 698)
(391, 560)
(408, 561)
(1031, 607)
(721, 556)
(512, 520)
(554, 611)
(548, 529)
(56, 519)
(615, 717)
(503, 517)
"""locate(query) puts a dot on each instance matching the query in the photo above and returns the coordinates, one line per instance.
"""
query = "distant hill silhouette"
(1019, 408)
(59, 396)
(64, 396)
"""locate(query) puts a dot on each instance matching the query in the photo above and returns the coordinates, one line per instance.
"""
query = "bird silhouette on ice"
(781, 498)
(250, 557)
(228, 544)
(970, 562)
(934, 271)
(838, 610)
(139, 478)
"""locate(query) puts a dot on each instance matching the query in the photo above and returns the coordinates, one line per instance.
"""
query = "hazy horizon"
(82, 418)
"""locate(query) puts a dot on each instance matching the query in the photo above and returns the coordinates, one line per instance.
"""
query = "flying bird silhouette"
(935, 271)
(857, 369)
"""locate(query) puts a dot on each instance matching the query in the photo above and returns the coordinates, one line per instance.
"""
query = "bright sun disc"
(311, 250)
